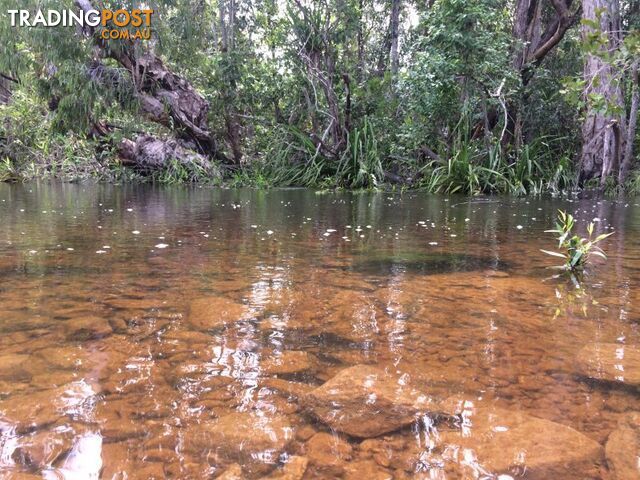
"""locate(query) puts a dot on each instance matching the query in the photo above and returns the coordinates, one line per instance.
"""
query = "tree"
(604, 131)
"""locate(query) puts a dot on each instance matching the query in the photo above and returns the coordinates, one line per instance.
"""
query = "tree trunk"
(603, 133)
(165, 97)
(627, 160)
(5, 91)
(536, 35)
(394, 27)
(6, 82)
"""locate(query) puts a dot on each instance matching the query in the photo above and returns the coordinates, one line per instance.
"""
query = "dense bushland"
(468, 96)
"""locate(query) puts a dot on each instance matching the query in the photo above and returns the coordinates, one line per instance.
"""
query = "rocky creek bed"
(203, 348)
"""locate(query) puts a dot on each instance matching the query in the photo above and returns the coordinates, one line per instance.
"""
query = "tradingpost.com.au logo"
(119, 24)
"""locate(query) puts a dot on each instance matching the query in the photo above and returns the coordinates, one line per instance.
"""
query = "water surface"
(135, 322)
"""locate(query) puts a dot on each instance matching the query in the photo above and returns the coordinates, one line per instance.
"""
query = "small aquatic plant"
(576, 250)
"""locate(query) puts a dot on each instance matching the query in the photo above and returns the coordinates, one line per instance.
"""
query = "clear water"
(112, 361)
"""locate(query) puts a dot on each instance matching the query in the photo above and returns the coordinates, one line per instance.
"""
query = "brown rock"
(13, 366)
(611, 362)
(328, 453)
(305, 432)
(43, 448)
(31, 411)
(287, 362)
(65, 357)
(623, 449)
(294, 469)
(364, 401)
(234, 472)
(366, 469)
(135, 303)
(151, 471)
(254, 441)
(212, 312)
(506, 442)
(87, 328)
(291, 389)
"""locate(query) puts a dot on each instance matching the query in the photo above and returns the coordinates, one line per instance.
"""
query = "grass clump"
(575, 251)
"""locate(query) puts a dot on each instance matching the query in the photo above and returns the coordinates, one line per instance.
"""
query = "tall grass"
(293, 159)
(473, 169)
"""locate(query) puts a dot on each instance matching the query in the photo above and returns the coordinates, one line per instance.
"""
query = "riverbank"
(434, 178)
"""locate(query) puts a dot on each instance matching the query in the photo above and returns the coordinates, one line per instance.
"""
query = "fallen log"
(164, 96)
(147, 154)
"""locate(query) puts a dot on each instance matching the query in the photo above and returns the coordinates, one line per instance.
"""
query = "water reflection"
(202, 357)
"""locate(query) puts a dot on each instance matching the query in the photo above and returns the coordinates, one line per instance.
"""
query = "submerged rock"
(494, 441)
(611, 362)
(43, 448)
(364, 401)
(233, 472)
(212, 312)
(287, 362)
(87, 328)
(366, 469)
(26, 412)
(290, 389)
(249, 439)
(328, 453)
(294, 469)
(14, 366)
(623, 449)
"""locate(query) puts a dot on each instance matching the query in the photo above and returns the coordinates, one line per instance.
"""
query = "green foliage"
(576, 250)
(302, 95)
(458, 67)
(537, 168)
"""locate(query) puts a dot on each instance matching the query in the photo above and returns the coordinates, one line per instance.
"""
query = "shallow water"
(159, 333)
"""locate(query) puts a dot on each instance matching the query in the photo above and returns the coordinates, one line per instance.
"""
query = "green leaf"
(554, 254)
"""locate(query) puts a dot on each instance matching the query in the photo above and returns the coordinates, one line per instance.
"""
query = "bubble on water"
(453, 235)
(162, 245)
(433, 244)
(129, 209)
(269, 232)
(519, 227)
(254, 226)
(70, 249)
(99, 252)
(330, 230)
(136, 232)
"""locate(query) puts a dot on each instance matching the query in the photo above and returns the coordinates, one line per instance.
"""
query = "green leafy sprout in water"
(576, 250)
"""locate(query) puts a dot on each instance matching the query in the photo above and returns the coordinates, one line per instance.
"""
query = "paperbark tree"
(604, 129)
